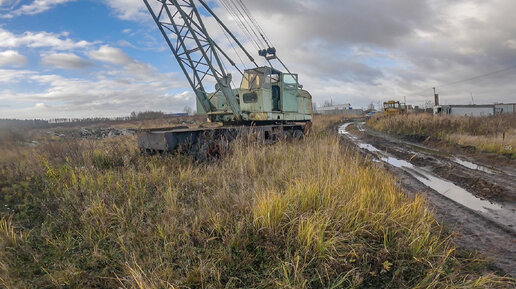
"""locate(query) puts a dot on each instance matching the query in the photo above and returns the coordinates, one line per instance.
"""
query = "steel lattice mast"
(197, 54)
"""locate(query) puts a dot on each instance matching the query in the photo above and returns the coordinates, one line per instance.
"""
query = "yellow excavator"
(393, 107)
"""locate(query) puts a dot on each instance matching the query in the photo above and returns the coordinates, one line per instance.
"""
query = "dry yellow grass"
(327, 123)
(308, 214)
(496, 134)
(500, 144)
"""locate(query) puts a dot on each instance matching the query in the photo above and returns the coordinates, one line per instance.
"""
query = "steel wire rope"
(235, 18)
(240, 23)
(234, 49)
(247, 21)
(261, 32)
(236, 52)
(256, 24)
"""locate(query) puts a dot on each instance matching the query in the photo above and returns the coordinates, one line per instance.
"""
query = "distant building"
(346, 106)
(505, 108)
(339, 109)
(476, 110)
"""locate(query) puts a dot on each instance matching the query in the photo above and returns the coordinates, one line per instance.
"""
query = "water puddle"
(360, 126)
(458, 194)
(401, 164)
(368, 147)
(445, 188)
(418, 148)
(494, 211)
(343, 130)
(474, 166)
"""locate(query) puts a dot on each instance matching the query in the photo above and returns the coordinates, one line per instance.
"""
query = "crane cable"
(258, 30)
(243, 15)
(242, 25)
(232, 13)
(247, 20)
(256, 24)
(235, 50)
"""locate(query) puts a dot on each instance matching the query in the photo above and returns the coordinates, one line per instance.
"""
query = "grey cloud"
(111, 55)
(40, 40)
(12, 75)
(119, 91)
(36, 7)
(12, 58)
(6, 4)
(64, 61)
(335, 21)
(369, 50)
(357, 51)
(128, 9)
(112, 103)
(426, 43)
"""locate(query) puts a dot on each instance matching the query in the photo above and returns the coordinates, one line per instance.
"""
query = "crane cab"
(266, 94)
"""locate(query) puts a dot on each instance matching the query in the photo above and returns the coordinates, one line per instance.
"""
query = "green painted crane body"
(265, 95)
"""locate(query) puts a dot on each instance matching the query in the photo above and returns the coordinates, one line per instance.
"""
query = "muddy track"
(469, 197)
(494, 184)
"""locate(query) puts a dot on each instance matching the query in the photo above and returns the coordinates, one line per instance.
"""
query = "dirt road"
(475, 200)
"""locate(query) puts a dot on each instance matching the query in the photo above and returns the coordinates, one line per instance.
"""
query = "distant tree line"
(146, 115)
(63, 122)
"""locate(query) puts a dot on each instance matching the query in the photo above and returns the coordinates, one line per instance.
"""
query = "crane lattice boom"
(197, 54)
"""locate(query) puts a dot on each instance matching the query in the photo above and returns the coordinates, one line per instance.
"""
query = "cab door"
(289, 92)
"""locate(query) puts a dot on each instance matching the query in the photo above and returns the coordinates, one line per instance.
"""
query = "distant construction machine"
(269, 101)
(393, 107)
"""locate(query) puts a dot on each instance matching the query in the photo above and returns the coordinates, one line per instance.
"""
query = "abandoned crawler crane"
(269, 101)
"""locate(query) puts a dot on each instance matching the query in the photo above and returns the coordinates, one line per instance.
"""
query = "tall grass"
(308, 214)
(495, 134)
(327, 124)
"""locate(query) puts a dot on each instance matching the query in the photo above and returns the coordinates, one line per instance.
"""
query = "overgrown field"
(310, 214)
(496, 134)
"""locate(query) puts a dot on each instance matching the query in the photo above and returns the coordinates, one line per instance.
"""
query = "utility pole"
(436, 97)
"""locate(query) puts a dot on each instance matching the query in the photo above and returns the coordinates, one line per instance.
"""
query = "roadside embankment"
(495, 134)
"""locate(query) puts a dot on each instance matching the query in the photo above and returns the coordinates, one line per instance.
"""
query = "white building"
(339, 109)
(475, 110)
(346, 106)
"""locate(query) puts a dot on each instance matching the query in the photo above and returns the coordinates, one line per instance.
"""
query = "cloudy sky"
(82, 58)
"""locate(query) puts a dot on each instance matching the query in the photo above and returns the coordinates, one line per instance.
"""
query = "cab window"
(290, 81)
(271, 79)
(252, 80)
